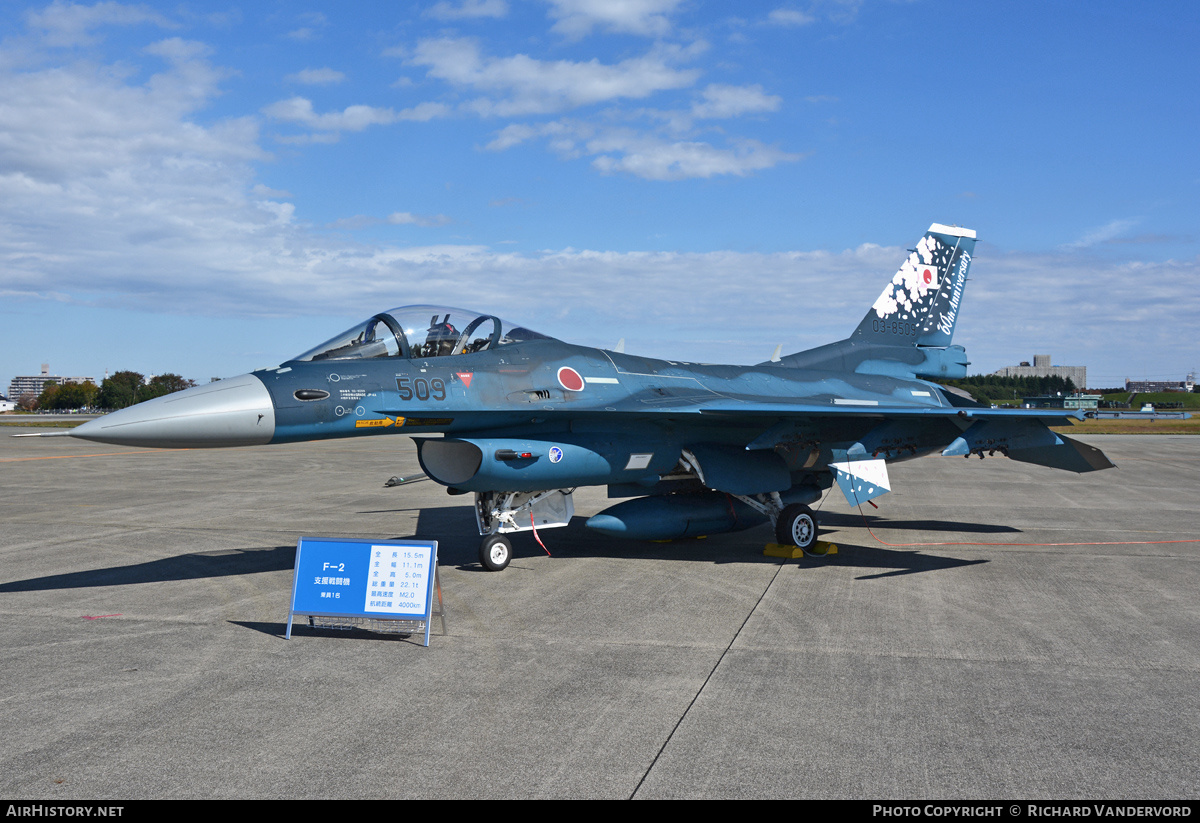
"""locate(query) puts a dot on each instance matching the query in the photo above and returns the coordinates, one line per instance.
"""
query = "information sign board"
(375, 579)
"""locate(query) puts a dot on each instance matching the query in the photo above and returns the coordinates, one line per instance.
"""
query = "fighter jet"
(520, 420)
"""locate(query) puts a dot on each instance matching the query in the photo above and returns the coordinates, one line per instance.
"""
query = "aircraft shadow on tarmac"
(181, 567)
(855, 520)
(458, 546)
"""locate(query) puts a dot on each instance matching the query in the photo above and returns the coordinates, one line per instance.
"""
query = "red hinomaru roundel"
(570, 379)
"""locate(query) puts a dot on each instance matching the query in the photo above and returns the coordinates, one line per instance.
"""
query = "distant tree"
(124, 388)
(119, 390)
(990, 388)
(27, 401)
(45, 400)
(75, 396)
(163, 384)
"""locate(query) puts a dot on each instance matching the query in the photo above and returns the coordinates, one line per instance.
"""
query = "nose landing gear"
(495, 552)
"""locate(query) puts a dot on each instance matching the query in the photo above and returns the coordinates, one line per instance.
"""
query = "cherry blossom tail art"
(920, 303)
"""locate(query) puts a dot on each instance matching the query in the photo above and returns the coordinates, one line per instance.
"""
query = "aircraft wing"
(864, 428)
(1020, 434)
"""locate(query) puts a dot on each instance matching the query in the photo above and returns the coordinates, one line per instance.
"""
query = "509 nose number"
(421, 388)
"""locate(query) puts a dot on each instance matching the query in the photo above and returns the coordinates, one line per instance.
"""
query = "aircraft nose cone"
(233, 412)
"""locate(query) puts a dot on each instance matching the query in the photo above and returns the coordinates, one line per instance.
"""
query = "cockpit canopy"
(421, 331)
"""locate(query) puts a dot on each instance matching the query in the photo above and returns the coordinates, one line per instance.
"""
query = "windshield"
(421, 331)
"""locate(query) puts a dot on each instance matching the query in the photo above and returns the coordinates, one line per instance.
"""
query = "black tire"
(495, 552)
(797, 526)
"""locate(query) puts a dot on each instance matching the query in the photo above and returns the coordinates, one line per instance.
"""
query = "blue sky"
(210, 188)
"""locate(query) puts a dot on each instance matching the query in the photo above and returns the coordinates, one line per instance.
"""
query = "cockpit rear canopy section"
(419, 332)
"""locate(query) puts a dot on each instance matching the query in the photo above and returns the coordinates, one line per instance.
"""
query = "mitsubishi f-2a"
(692, 448)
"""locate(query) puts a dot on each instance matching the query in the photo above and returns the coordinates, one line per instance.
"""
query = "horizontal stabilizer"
(1070, 455)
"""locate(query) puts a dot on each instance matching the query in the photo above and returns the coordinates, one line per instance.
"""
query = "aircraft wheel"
(495, 552)
(797, 526)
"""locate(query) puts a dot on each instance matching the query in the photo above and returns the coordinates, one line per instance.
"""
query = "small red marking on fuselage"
(570, 379)
(465, 377)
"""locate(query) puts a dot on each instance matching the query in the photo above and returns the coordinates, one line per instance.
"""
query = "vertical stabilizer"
(920, 304)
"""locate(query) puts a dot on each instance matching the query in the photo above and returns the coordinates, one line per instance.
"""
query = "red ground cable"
(533, 526)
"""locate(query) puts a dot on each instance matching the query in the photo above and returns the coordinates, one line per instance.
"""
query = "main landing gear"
(795, 523)
(796, 526)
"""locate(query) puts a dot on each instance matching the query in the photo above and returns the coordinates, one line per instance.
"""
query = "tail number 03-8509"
(421, 388)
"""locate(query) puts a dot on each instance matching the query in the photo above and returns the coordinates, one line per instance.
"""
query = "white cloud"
(191, 81)
(656, 159)
(262, 191)
(400, 218)
(1103, 234)
(577, 18)
(110, 191)
(790, 17)
(314, 21)
(1082, 308)
(317, 77)
(525, 85)
(468, 9)
(513, 135)
(720, 101)
(645, 155)
(522, 85)
(842, 12)
(77, 127)
(352, 118)
(404, 218)
(717, 101)
(69, 24)
(423, 112)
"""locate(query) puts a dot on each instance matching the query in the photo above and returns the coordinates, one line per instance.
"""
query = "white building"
(33, 384)
(1041, 368)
